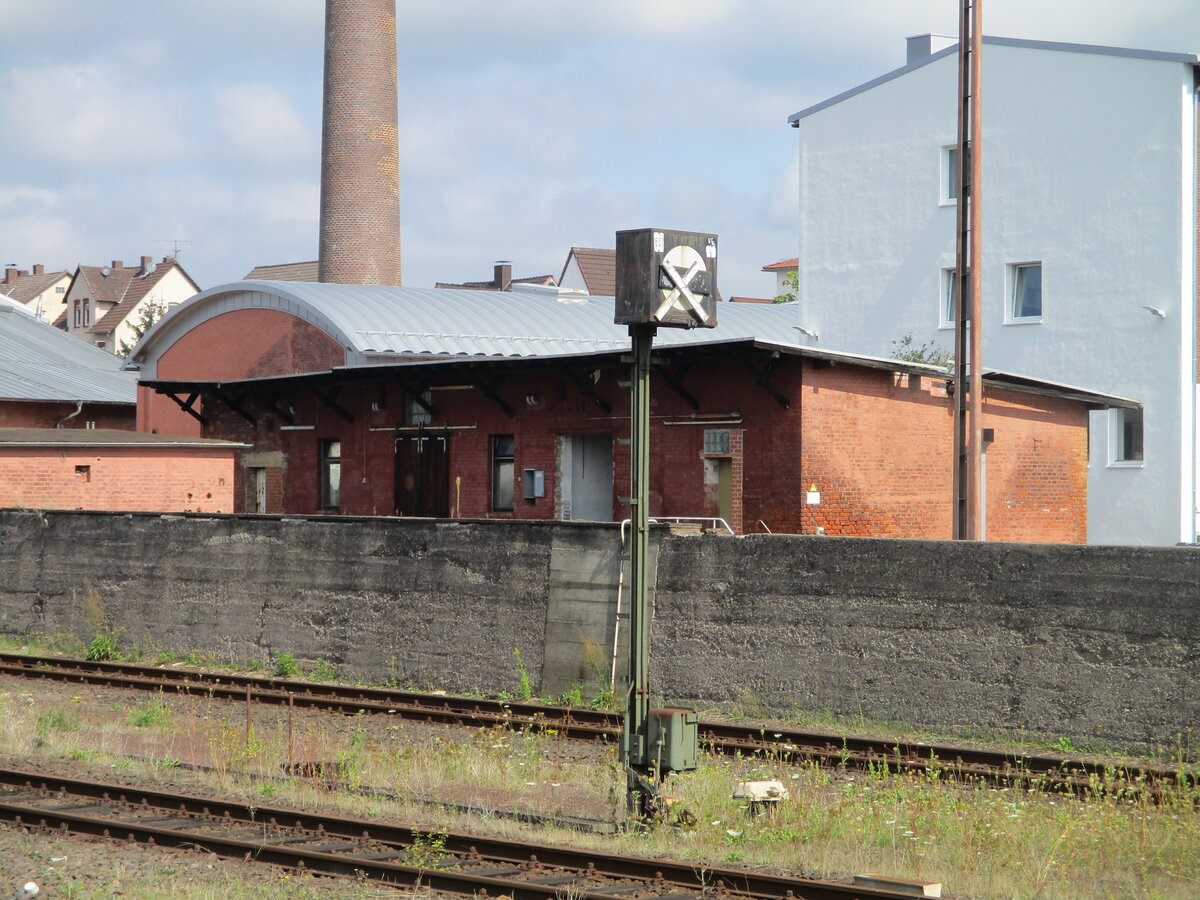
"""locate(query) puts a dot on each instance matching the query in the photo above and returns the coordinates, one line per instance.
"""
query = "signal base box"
(672, 736)
(666, 278)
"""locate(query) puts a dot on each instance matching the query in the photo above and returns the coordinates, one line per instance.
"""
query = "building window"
(60, 290)
(331, 474)
(87, 312)
(502, 473)
(949, 179)
(83, 473)
(415, 413)
(1126, 440)
(1025, 280)
(716, 440)
(948, 303)
(78, 314)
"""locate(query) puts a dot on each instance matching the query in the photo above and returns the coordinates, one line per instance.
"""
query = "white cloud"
(259, 122)
(88, 115)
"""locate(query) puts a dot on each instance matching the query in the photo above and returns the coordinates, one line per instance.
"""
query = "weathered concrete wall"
(1074, 641)
(1082, 642)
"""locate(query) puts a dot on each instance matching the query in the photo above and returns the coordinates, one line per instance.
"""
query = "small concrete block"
(760, 791)
(900, 885)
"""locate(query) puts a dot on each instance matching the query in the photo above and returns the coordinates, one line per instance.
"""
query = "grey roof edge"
(1130, 52)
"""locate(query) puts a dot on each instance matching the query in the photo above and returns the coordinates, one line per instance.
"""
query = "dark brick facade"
(360, 173)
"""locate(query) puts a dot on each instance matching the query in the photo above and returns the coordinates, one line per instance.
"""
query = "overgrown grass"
(151, 714)
(979, 841)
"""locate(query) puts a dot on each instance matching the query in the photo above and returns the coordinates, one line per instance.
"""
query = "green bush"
(286, 665)
(103, 647)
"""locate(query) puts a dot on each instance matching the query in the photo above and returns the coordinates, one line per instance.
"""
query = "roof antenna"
(174, 242)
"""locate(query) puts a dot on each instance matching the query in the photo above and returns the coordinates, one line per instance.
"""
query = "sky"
(526, 127)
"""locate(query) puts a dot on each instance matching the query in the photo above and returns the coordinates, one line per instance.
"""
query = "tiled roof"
(135, 292)
(598, 268)
(102, 437)
(108, 288)
(792, 263)
(26, 287)
(300, 271)
(41, 362)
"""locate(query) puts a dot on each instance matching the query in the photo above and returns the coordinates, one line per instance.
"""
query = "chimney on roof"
(502, 275)
(923, 46)
(23, 272)
(147, 265)
(10, 275)
(360, 172)
(118, 264)
(168, 260)
(39, 269)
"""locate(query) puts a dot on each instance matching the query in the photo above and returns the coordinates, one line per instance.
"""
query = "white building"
(1089, 198)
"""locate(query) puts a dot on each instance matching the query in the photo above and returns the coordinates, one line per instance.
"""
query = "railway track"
(1044, 772)
(392, 854)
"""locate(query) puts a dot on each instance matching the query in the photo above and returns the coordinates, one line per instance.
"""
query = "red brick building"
(380, 401)
(103, 469)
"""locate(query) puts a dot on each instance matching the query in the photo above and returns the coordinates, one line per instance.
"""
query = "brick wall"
(158, 479)
(45, 414)
(877, 446)
(360, 173)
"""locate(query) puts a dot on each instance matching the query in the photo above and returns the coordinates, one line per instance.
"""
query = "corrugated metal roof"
(379, 323)
(40, 362)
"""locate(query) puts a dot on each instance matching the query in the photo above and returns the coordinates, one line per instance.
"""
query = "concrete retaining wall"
(1073, 641)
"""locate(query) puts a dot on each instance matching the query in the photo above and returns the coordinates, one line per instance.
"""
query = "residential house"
(301, 271)
(1089, 254)
(369, 400)
(43, 292)
(590, 270)
(785, 275)
(105, 304)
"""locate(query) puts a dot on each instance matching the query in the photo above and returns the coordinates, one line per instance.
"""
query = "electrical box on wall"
(535, 484)
(666, 278)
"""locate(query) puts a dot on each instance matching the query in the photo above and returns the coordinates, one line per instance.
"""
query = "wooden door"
(423, 475)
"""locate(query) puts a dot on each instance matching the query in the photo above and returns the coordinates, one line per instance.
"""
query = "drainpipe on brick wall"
(68, 416)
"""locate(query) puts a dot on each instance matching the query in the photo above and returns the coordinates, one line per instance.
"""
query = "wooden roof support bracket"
(491, 391)
(673, 376)
(417, 396)
(234, 404)
(763, 376)
(330, 399)
(186, 405)
(586, 388)
(272, 404)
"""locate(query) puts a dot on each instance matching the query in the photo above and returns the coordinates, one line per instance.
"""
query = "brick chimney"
(118, 264)
(147, 265)
(39, 269)
(10, 275)
(502, 276)
(360, 172)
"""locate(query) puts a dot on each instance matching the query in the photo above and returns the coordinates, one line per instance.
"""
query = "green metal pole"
(634, 743)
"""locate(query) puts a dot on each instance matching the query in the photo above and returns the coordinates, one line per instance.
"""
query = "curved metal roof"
(381, 324)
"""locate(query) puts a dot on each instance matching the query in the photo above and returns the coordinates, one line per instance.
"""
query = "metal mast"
(968, 326)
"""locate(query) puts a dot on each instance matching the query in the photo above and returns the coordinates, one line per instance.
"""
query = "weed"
(323, 671)
(83, 754)
(104, 646)
(169, 762)
(54, 720)
(606, 699)
(1064, 745)
(151, 714)
(427, 851)
(524, 686)
(164, 658)
(286, 665)
(573, 696)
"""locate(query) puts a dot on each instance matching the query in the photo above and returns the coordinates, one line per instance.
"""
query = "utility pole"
(968, 275)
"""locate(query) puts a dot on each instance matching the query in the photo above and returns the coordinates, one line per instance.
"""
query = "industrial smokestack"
(360, 172)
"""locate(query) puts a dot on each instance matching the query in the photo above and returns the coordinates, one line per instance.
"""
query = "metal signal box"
(673, 739)
(666, 278)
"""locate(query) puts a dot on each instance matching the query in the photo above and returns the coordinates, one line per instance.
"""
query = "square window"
(416, 411)
(1026, 298)
(83, 473)
(949, 175)
(331, 474)
(716, 441)
(502, 472)
(1126, 439)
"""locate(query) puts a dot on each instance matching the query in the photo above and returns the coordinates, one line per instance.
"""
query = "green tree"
(791, 284)
(906, 349)
(148, 314)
